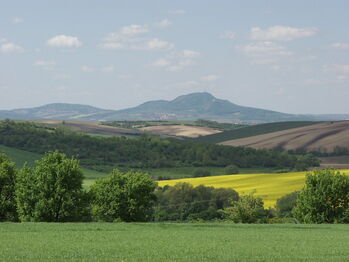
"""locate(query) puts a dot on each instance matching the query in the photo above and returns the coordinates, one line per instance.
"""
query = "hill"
(322, 137)
(186, 107)
(253, 130)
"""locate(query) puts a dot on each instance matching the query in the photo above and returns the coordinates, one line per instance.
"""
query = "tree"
(8, 206)
(247, 209)
(52, 191)
(201, 173)
(324, 199)
(285, 204)
(121, 196)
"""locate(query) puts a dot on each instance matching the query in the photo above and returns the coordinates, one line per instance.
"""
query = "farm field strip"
(157, 242)
(269, 187)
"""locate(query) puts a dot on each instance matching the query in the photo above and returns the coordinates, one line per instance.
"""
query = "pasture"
(269, 187)
(172, 242)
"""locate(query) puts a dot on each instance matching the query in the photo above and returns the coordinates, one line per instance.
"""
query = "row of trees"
(106, 153)
(52, 191)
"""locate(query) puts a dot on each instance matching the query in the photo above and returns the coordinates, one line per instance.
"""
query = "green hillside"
(252, 131)
(20, 157)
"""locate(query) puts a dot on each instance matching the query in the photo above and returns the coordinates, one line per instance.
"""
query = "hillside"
(253, 130)
(322, 137)
(186, 107)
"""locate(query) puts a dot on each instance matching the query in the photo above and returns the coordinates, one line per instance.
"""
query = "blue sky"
(289, 56)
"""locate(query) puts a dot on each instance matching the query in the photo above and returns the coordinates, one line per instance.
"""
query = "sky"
(288, 56)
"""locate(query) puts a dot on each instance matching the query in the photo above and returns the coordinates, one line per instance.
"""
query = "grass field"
(269, 187)
(252, 131)
(172, 242)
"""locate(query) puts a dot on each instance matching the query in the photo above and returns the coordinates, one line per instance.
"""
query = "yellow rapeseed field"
(269, 187)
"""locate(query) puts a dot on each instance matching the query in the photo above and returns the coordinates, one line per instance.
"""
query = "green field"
(172, 242)
(253, 130)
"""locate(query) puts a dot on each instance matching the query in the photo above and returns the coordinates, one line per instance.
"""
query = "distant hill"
(186, 107)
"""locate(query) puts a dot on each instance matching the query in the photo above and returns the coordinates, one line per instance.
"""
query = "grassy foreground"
(172, 242)
(269, 187)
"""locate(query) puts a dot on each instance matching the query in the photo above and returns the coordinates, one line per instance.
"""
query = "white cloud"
(209, 78)
(162, 62)
(48, 65)
(3, 40)
(228, 35)
(190, 54)
(10, 48)
(281, 33)
(87, 69)
(64, 41)
(108, 69)
(164, 23)
(17, 20)
(178, 12)
(129, 38)
(265, 52)
(341, 45)
(177, 60)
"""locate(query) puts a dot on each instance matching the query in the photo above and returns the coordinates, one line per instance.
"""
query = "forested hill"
(104, 153)
(186, 107)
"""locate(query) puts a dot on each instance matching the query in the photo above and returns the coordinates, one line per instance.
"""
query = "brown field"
(322, 136)
(90, 127)
(338, 162)
(180, 130)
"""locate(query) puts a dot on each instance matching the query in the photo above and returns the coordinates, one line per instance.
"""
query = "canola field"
(269, 187)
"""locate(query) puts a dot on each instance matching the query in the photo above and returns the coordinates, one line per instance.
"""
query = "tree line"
(106, 153)
(52, 191)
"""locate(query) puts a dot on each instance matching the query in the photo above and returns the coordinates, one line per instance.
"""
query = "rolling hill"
(322, 137)
(186, 107)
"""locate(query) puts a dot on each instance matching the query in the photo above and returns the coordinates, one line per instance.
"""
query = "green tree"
(324, 199)
(247, 209)
(121, 196)
(285, 204)
(8, 207)
(52, 191)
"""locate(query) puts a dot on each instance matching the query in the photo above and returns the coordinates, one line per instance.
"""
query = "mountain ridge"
(191, 106)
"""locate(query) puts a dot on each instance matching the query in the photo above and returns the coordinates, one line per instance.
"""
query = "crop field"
(172, 242)
(253, 130)
(180, 130)
(314, 137)
(269, 187)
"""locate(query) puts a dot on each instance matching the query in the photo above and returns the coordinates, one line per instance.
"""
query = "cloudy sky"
(289, 56)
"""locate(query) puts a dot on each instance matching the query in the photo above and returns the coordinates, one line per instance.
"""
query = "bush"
(231, 170)
(52, 191)
(285, 205)
(8, 208)
(183, 202)
(247, 209)
(324, 199)
(125, 197)
(201, 173)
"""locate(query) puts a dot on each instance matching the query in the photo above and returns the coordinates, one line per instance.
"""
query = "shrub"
(324, 199)
(285, 205)
(125, 197)
(247, 209)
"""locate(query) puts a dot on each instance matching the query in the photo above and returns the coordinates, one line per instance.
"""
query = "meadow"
(268, 186)
(172, 242)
